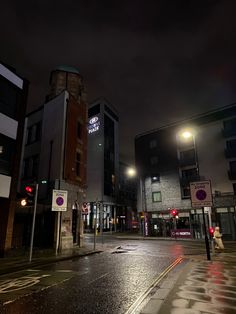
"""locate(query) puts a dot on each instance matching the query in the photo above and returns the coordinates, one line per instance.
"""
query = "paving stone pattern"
(209, 287)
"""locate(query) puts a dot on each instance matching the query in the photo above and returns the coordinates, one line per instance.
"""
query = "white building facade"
(168, 162)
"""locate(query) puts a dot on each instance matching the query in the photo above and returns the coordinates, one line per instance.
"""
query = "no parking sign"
(201, 194)
(59, 200)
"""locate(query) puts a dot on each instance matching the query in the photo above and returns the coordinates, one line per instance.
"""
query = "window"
(232, 165)
(31, 167)
(234, 187)
(77, 164)
(35, 166)
(154, 160)
(231, 144)
(7, 149)
(79, 130)
(187, 154)
(156, 196)
(185, 192)
(153, 144)
(189, 173)
(8, 98)
(155, 178)
(34, 133)
(230, 127)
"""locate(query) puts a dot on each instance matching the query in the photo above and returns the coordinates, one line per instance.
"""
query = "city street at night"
(121, 279)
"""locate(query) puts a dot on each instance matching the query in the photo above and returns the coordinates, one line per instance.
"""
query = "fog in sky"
(156, 61)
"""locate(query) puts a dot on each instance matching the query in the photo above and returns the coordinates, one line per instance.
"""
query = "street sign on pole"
(59, 200)
(201, 194)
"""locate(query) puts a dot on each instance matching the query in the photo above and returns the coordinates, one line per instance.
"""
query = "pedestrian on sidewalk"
(218, 239)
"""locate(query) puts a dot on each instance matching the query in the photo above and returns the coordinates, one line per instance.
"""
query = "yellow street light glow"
(131, 172)
(187, 134)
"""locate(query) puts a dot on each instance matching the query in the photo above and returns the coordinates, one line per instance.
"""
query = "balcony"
(232, 174)
(187, 180)
(187, 161)
(230, 152)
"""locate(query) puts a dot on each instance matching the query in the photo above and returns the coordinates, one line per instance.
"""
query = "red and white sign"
(85, 208)
(201, 194)
(181, 233)
(59, 200)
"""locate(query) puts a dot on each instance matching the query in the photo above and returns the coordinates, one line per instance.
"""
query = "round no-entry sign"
(201, 194)
(59, 200)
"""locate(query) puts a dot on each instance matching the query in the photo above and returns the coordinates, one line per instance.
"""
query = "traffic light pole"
(206, 237)
(33, 222)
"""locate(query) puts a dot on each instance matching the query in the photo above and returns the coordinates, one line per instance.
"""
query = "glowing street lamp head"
(187, 134)
(131, 172)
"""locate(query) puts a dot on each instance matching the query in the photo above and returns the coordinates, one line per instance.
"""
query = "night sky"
(156, 61)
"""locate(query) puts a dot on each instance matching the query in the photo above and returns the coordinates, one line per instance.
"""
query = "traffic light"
(29, 190)
(174, 213)
(211, 232)
(28, 196)
(23, 202)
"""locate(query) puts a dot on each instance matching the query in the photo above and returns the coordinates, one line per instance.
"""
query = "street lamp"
(131, 172)
(186, 135)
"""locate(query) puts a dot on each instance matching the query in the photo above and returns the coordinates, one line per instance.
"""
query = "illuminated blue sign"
(94, 125)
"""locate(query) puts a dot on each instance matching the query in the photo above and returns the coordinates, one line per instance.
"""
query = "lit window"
(156, 196)
(156, 178)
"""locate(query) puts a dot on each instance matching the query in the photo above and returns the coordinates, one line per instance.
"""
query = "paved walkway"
(202, 287)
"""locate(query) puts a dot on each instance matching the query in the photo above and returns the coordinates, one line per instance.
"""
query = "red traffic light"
(174, 212)
(29, 189)
(211, 231)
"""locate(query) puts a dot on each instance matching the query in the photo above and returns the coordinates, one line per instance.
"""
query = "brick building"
(56, 152)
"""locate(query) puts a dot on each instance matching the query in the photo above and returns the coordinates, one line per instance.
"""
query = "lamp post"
(188, 135)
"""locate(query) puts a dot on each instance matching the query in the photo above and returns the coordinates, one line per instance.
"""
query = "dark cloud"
(156, 61)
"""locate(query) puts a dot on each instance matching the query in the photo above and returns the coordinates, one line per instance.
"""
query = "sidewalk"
(42, 257)
(200, 287)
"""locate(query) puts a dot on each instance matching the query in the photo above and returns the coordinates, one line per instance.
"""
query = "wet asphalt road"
(109, 282)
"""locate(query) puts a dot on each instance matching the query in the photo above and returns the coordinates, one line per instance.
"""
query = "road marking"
(141, 298)
(20, 283)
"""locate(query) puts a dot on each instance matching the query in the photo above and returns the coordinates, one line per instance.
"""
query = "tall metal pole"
(95, 227)
(210, 226)
(206, 237)
(144, 204)
(33, 222)
(58, 224)
(101, 221)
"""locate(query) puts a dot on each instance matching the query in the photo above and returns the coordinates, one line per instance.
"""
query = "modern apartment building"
(13, 100)
(55, 153)
(103, 165)
(169, 158)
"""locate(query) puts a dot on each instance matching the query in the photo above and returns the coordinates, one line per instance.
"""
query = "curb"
(41, 262)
